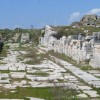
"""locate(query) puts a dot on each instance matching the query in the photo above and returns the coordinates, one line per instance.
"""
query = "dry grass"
(34, 56)
(63, 92)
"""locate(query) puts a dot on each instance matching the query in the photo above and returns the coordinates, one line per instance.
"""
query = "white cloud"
(94, 11)
(74, 16)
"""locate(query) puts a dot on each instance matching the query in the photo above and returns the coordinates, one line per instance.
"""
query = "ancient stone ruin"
(79, 47)
(89, 20)
(25, 37)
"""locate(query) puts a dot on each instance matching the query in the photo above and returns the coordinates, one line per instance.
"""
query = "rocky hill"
(87, 25)
(91, 20)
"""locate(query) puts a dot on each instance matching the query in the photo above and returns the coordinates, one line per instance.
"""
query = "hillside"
(87, 25)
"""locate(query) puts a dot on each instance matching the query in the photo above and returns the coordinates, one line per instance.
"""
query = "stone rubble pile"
(79, 47)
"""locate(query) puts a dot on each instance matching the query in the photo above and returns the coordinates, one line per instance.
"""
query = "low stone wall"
(75, 46)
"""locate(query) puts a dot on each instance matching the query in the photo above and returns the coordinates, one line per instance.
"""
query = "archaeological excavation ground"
(51, 68)
(49, 49)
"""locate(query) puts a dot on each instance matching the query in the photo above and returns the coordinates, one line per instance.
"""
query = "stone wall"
(78, 47)
(95, 61)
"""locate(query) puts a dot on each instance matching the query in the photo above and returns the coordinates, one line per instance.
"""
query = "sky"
(38, 13)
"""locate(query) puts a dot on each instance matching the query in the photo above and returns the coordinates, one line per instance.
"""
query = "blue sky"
(24, 13)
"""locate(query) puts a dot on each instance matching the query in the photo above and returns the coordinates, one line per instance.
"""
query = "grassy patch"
(60, 80)
(3, 53)
(7, 46)
(20, 48)
(4, 71)
(83, 66)
(87, 67)
(28, 92)
(63, 93)
(30, 62)
(40, 74)
(54, 93)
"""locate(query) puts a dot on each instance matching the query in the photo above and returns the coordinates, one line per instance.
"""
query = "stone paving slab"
(94, 72)
(82, 95)
(84, 87)
(87, 77)
(91, 93)
(26, 72)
